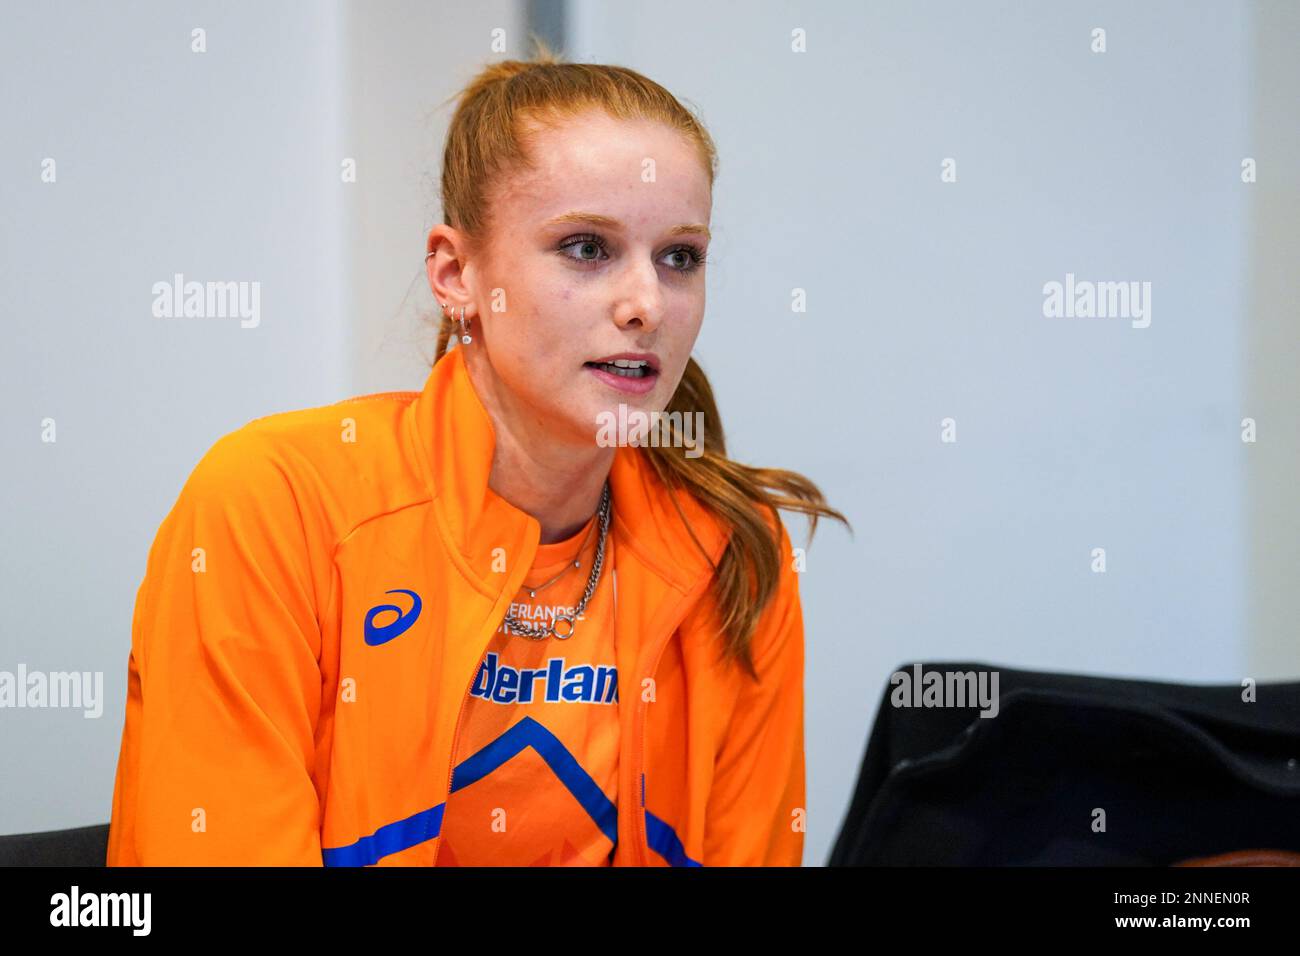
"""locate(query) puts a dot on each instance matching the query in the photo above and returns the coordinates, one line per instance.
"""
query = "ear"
(446, 266)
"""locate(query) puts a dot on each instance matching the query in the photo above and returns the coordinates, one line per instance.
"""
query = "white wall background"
(224, 165)
(1272, 344)
(924, 302)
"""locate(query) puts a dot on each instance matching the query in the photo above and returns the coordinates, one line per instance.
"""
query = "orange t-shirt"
(536, 763)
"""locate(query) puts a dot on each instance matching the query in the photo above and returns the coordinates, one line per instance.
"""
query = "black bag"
(1180, 771)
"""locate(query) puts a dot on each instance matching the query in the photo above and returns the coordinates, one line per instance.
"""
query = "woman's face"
(594, 254)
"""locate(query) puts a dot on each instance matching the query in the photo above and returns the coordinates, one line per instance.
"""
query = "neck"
(559, 483)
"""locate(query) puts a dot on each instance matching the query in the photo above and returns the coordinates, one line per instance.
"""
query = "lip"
(650, 357)
(631, 386)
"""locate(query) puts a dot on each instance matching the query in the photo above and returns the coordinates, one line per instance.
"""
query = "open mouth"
(625, 368)
(629, 375)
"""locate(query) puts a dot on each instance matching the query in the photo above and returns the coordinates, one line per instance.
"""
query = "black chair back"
(1179, 771)
(80, 846)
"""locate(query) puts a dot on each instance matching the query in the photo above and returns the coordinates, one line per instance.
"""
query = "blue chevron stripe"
(663, 840)
(529, 733)
(427, 824)
(388, 839)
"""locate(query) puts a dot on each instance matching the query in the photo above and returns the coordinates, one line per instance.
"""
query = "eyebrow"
(608, 223)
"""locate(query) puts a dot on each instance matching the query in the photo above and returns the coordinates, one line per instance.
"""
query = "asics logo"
(386, 632)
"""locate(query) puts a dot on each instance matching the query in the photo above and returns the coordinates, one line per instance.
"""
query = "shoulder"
(777, 637)
(323, 431)
(787, 573)
(334, 465)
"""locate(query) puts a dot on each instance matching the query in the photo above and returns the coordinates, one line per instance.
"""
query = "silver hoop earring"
(464, 329)
(427, 255)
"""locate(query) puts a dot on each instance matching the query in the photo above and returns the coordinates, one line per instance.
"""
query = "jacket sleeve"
(223, 679)
(756, 810)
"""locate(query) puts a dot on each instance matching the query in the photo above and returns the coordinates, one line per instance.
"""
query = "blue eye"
(591, 248)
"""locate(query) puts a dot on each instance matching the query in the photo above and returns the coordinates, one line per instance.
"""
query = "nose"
(640, 301)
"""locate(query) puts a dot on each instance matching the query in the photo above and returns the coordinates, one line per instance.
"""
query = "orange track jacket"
(262, 729)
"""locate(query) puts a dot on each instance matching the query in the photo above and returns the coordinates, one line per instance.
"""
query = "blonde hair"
(486, 141)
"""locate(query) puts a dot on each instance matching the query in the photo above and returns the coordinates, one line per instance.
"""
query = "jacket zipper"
(451, 771)
(643, 848)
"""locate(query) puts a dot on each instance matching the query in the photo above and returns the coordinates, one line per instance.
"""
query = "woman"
(463, 626)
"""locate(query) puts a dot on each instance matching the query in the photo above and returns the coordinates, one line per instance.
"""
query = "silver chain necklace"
(577, 563)
(513, 625)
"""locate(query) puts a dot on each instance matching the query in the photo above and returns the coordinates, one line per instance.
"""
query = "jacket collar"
(454, 443)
